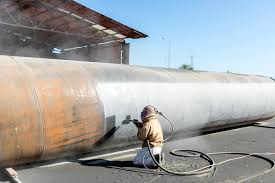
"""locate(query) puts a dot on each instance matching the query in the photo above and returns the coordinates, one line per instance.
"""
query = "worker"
(149, 129)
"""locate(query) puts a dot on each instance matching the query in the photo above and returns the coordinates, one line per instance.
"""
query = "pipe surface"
(55, 108)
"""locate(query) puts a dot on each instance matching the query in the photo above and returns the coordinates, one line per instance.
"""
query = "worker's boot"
(160, 158)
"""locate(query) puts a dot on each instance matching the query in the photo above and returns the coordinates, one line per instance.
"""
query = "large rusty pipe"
(55, 108)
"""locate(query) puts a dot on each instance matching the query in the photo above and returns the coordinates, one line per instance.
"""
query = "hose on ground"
(206, 156)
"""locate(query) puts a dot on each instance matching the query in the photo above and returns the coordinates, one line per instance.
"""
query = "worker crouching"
(150, 129)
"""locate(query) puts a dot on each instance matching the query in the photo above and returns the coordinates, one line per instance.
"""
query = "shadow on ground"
(122, 165)
(106, 163)
(3, 177)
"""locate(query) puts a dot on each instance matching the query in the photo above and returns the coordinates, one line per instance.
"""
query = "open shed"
(62, 29)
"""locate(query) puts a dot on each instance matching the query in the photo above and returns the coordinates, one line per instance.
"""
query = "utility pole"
(169, 54)
(169, 50)
(192, 64)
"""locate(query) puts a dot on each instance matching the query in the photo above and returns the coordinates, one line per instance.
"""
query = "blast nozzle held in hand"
(137, 123)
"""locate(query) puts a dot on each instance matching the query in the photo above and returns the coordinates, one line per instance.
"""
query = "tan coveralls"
(151, 131)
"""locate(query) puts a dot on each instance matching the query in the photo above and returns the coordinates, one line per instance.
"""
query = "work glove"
(137, 123)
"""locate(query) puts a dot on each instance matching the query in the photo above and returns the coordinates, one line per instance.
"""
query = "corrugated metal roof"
(50, 21)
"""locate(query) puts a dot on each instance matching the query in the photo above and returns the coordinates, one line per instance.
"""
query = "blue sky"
(234, 35)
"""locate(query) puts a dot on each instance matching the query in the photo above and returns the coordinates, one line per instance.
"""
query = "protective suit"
(149, 130)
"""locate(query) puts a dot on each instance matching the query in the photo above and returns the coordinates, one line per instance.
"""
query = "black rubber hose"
(211, 167)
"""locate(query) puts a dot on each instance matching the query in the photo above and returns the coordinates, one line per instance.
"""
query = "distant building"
(62, 29)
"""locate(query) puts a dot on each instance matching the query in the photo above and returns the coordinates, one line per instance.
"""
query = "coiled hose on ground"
(207, 156)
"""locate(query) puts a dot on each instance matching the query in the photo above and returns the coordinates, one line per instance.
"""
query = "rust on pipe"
(20, 120)
(47, 111)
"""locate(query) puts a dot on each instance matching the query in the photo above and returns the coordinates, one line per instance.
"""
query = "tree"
(186, 67)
